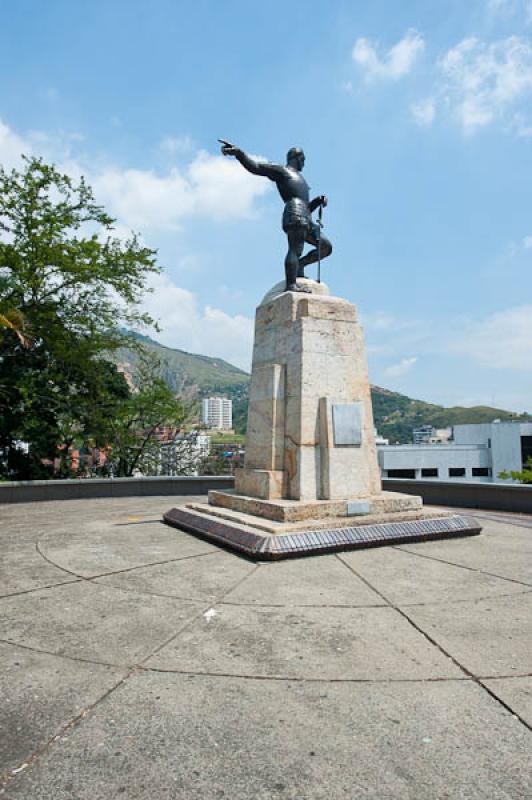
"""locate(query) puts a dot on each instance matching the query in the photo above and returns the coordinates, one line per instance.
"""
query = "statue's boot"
(293, 287)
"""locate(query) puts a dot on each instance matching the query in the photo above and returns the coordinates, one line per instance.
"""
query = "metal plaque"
(347, 424)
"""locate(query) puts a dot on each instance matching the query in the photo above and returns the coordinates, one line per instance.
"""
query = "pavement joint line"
(49, 561)
(132, 670)
(150, 564)
(504, 677)
(366, 605)
(469, 599)
(152, 594)
(460, 566)
(64, 655)
(37, 588)
(505, 705)
(247, 676)
(300, 605)
(90, 578)
(442, 650)
(215, 601)
(7, 777)
(509, 520)
(300, 679)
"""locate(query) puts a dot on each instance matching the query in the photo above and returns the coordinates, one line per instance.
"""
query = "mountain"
(396, 414)
(187, 374)
(194, 376)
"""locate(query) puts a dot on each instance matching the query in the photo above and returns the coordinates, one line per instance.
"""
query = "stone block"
(262, 483)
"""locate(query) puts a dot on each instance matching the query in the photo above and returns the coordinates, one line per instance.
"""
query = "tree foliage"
(68, 289)
(524, 476)
(137, 424)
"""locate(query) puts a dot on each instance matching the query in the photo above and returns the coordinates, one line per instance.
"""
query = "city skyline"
(416, 122)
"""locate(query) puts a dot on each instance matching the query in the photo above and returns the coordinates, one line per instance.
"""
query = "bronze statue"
(297, 221)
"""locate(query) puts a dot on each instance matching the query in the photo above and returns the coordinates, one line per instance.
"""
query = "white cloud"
(189, 327)
(424, 112)
(502, 341)
(11, 147)
(482, 81)
(403, 366)
(527, 242)
(173, 145)
(210, 186)
(395, 63)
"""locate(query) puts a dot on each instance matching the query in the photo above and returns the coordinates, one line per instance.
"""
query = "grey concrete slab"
(501, 549)
(488, 637)
(389, 716)
(93, 622)
(516, 693)
(98, 547)
(22, 568)
(326, 644)
(41, 694)
(406, 578)
(320, 581)
(162, 737)
(204, 578)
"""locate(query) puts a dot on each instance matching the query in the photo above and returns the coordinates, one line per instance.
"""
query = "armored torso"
(294, 190)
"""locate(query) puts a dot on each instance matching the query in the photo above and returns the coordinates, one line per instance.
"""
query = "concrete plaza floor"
(137, 661)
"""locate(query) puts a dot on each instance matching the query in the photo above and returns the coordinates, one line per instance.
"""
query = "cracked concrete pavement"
(138, 661)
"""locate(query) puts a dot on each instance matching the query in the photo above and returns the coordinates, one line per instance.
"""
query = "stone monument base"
(272, 530)
(311, 480)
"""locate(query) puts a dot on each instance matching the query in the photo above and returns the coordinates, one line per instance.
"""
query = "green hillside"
(194, 376)
(189, 375)
(396, 414)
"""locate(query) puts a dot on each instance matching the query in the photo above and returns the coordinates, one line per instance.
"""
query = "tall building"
(218, 413)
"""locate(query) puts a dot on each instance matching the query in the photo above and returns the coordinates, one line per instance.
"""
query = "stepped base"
(281, 510)
(242, 532)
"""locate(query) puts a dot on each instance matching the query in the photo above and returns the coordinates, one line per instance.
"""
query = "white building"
(218, 413)
(380, 440)
(478, 453)
(184, 454)
(427, 434)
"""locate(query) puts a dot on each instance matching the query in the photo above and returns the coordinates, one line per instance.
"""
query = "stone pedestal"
(310, 423)
(311, 462)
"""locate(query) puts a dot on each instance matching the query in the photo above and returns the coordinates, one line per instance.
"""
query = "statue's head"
(295, 158)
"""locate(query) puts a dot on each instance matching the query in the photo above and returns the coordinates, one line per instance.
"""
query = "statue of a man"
(297, 220)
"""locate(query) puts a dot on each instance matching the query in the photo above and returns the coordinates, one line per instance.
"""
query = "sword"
(320, 226)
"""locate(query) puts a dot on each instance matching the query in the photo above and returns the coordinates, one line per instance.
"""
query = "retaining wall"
(29, 491)
(486, 495)
(495, 496)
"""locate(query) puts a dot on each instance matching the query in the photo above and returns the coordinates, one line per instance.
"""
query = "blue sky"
(416, 119)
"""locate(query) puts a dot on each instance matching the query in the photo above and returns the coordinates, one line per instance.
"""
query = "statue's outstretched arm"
(264, 168)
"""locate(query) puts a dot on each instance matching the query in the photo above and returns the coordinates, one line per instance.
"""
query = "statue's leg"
(312, 255)
(296, 243)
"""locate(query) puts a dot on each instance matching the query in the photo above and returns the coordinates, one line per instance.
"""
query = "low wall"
(486, 495)
(495, 496)
(29, 491)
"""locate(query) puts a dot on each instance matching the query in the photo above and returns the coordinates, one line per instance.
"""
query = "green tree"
(138, 424)
(74, 287)
(524, 476)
